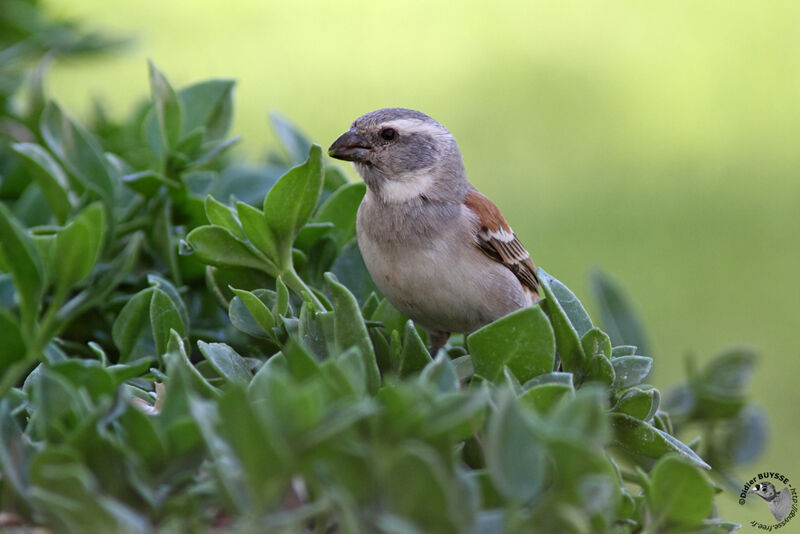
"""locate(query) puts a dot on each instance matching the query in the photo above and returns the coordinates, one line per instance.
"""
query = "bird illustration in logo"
(779, 502)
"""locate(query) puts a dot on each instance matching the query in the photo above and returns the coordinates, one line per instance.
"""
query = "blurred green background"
(658, 139)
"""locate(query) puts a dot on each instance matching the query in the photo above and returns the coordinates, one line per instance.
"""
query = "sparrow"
(437, 249)
(779, 502)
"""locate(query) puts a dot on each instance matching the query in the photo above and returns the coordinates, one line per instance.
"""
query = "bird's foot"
(437, 339)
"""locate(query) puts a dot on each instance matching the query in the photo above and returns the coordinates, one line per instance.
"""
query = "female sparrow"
(438, 250)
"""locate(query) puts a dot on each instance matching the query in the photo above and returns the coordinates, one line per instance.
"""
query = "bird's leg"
(437, 339)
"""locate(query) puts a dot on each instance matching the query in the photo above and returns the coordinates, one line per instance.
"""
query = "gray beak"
(350, 147)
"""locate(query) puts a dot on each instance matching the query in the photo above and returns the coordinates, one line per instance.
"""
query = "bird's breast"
(435, 276)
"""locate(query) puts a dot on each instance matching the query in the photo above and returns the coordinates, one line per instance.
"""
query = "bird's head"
(403, 154)
(765, 490)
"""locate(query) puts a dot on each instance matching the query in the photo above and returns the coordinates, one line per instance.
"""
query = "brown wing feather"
(496, 239)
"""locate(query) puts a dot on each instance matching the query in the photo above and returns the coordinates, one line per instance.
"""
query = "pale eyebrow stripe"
(414, 126)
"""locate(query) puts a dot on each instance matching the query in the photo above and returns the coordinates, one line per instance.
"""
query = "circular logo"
(778, 495)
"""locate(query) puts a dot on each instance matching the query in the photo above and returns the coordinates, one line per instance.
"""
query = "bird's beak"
(350, 147)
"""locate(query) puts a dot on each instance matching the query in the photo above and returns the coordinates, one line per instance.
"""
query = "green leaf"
(568, 341)
(55, 401)
(679, 492)
(551, 378)
(544, 396)
(680, 401)
(310, 330)
(623, 350)
(370, 305)
(164, 317)
(414, 355)
(218, 247)
(177, 351)
(745, 437)
(663, 421)
(78, 246)
(12, 348)
(595, 341)
(35, 100)
(418, 488)
(310, 233)
(78, 151)
(22, 260)
(391, 318)
(221, 215)
(181, 432)
(336, 422)
(349, 330)
(296, 144)
(257, 231)
(522, 340)
(243, 319)
(340, 210)
(335, 177)
(258, 310)
(226, 362)
(109, 276)
(89, 375)
(219, 280)
(351, 362)
(638, 437)
(212, 150)
(581, 417)
(14, 458)
(456, 415)
(191, 141)
(290, 202)
(31, 207)
(617, 313)
(441, 373)
(126, 371)
(167, 108)
(68, 494)
(131, 329)
(143, 437)
(148, 182)
(170, 290)
(282, 299)
(599, 369)
(302, 364)
(49, 176)
(514, 455)
(639, 403)
(630, 370)
(730, 371)
(262, 464)
(208, 104)
(572, 307)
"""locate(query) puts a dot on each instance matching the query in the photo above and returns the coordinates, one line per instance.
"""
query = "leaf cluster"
(194, 345)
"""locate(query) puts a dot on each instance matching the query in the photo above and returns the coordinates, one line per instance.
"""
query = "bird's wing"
(496, 239)
(782, 505)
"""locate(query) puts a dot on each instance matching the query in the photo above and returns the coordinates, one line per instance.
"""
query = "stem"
(296, 284)
(629, 475)
(131, 226)
(48, 329)
(14, 373)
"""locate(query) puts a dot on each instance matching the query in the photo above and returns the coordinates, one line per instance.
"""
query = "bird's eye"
(389, 134)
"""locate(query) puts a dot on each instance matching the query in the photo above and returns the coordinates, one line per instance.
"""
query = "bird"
(778, 502)
(439, 250)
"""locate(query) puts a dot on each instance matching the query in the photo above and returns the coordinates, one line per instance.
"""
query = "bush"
(194, 345)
